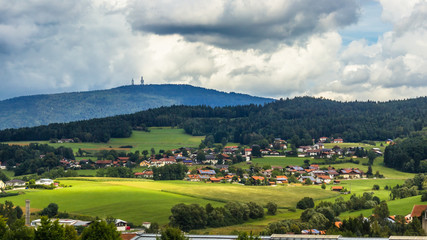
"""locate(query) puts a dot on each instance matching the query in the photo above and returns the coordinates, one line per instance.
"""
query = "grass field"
(116, 198)
(158, 138)
(144, 200)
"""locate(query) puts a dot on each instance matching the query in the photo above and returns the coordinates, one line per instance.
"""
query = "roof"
(258, 178)
(337, 188)
(418, 210)
(104, 161)
(212, 172)
(279, 178)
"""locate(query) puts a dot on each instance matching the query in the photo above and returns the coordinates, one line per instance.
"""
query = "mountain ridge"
(42, 109)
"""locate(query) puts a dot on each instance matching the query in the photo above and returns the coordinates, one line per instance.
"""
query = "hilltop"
(28, 111)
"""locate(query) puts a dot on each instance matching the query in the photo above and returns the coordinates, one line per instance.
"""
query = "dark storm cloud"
(237, 23)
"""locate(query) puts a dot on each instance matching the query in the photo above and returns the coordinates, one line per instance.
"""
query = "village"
(216, 165)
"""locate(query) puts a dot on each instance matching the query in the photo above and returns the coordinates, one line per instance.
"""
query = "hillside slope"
(66, 107)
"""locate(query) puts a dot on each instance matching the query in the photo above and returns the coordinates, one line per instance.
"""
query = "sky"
(344, 50)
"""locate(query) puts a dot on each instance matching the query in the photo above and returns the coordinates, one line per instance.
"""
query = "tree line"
(34, 158)
(409, 155)
(194, 216)
(301, 118)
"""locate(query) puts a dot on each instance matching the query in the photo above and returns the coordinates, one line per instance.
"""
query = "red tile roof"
(258, 178)
(418, 210)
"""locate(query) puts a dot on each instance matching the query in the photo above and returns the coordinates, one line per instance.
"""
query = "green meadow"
(158, 138)
(137, 200)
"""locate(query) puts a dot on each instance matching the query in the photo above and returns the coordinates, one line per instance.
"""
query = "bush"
(272, 208)
(424, 197)
(376, 187)
(306, 202)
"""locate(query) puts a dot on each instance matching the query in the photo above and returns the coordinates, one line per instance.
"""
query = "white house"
(44, 181)
(15, 183)
(121, 225)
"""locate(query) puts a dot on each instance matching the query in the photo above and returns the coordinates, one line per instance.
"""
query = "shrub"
(306, 202)
(272, 208)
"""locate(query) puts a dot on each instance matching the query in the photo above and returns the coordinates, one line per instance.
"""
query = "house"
(104, 163)
(123, 159)
(324, 178)
(64, 222)
(121, 225)
(144, 163)
(206, 172)
(146, 225)
(323, 139)
(187, 162)
(15, 183)
(258, 178)
(44, 181)
(163, 161)
(282, 179)
(337, 188)
(248, 151)
(214, 179)
(194, 178)
(2, 185)
(389, 141)
(338, 140)
(420, 212)
(303, 179)
(145, 174)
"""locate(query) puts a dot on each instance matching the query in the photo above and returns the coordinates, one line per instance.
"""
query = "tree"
(172, 234)
(51, 210)
(376, 187)
(187, 217)
(308, 181)
(256, 151)
(18, 231)
(323, 186)
(371, 157)
(70, 233)
(306, 202)
(381, 211)
(369, 172)
(100, 230)
(245, 236)
(200, 156)
(49, 230)
(154, 228)
(3, 177)
(272, 208)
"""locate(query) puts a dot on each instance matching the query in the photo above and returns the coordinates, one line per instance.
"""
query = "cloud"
(242, 23)
(266, 48)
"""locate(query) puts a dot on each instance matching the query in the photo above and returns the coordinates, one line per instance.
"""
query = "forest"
(300, 118)
(409, 155)
(34, 158)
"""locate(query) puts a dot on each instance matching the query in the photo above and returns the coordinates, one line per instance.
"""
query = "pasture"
(137, 200)
(158, 138)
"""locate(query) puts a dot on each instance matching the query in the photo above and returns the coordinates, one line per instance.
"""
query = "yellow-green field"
(145, 200)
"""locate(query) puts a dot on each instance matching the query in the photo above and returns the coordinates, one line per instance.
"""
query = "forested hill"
(299, 119)
(66, 107)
